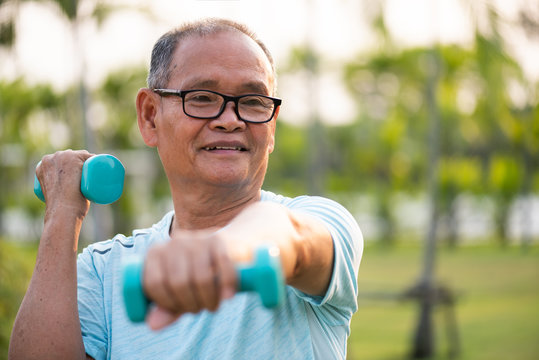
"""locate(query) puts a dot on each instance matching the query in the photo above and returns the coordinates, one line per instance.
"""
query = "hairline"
(166, 46)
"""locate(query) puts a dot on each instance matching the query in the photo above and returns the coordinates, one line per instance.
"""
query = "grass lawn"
(497, 306)
(497, 300)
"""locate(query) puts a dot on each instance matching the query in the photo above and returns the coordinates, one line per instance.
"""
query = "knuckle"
(229, 277)
(178, 284)
(204, 278)
(206, 290)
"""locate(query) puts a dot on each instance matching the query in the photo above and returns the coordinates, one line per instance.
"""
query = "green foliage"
(481, 121)
(27, 116)
(68, 7)
(287, 167)
(505, 176)
(16, 266)
(18, 101)
(489, 126)
(119, 129)
(7, 33)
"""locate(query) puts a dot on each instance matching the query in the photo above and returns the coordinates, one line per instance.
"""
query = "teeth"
(223, 148)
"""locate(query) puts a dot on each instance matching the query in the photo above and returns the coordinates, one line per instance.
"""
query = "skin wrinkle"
(261, 65)
(253, 87)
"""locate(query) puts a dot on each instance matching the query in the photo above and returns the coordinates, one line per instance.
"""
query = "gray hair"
(164, 48)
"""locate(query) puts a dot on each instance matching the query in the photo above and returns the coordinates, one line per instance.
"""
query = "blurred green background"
(438, 161)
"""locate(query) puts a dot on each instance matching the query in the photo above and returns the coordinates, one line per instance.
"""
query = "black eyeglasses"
(207, 104)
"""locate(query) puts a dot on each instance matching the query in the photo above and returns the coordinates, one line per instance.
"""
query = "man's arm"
(195, 270)
(47, 324)
(304, 242)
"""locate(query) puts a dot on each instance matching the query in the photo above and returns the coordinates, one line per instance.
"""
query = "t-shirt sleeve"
(91, 308)
(340, 301)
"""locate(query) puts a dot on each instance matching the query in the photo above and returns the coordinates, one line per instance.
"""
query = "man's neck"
(209, 208)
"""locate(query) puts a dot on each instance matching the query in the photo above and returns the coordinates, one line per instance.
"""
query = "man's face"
(224, 151)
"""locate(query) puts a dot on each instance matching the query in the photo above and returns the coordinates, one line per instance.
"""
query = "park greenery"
(495, 313)
(488, 131)
(487, 140)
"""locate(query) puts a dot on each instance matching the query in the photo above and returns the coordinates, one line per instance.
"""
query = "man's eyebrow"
(202, 84)
(254, 87)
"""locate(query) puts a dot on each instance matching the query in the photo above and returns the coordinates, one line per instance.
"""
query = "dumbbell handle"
(102, 179)
(263, 276)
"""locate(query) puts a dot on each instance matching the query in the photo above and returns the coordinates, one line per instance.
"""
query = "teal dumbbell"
(263, 276)
(102, 180)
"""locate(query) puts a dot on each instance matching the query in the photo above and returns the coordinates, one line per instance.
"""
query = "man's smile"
(225, 146)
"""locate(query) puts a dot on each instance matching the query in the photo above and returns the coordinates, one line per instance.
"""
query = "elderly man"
(209, 111)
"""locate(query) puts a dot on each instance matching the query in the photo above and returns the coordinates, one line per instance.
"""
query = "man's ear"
(147, 108)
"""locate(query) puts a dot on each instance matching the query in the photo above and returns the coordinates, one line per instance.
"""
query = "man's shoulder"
(286, 200)
(301, 201)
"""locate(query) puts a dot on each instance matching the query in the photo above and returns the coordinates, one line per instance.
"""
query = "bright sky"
(46, 52)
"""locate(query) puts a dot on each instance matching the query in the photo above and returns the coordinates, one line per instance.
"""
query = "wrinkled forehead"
(202, 57)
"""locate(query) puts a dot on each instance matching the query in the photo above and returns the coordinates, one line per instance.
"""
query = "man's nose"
(228, 121)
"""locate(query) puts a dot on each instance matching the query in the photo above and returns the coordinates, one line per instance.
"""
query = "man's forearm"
(305, 243)
(47, 324)
(314, 251)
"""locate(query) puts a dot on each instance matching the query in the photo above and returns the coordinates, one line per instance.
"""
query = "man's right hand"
(189, 273)
(59, 175)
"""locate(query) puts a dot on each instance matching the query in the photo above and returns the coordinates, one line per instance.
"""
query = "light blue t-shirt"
(304, 327)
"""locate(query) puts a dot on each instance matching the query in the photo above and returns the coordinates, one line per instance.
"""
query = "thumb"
(159, 318)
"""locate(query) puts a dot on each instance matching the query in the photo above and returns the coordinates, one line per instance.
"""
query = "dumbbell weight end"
(135, 301)
(102, 180)
(263, 276)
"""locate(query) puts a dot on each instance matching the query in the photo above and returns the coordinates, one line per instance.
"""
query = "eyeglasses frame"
(227, 98)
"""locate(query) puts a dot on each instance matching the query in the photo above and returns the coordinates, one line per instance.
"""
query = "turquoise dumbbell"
(102, 180)
(263, 276)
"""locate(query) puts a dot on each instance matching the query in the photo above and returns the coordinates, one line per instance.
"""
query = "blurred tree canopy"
(489, 144)
(489, 120)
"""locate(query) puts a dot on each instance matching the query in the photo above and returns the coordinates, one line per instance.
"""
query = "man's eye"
(201, 99)
(256, 102)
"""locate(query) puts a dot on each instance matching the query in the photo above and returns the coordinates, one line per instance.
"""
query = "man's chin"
(227, 179)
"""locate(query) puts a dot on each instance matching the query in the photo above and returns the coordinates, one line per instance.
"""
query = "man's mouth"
(233, 148)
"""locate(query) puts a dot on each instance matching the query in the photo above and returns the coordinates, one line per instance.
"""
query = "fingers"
(205, 281)
(62, 158)
(228, 278)
(190, 273)
(59, 175)
(159, 318)
(155, 282)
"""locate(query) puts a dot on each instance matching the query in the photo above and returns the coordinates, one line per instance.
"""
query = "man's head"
(164, 48)
(215, 56)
